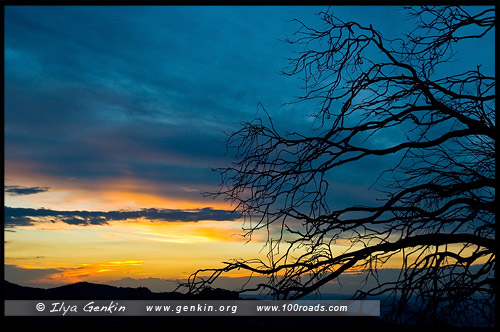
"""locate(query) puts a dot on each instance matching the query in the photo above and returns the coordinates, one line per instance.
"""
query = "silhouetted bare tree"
(437, 213)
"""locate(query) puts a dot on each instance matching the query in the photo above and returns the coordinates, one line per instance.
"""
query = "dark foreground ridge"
(91, 291)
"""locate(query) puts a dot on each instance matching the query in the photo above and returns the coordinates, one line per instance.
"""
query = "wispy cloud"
(188, 189)
(19, 191)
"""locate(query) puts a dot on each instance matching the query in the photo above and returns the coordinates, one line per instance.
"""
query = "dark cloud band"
(19, 191)
(26, 216)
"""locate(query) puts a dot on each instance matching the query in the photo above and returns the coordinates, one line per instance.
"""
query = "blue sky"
(100, 93)
(112, 108)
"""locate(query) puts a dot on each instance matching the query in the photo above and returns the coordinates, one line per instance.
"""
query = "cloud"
(149, 96)
(27, 276)
(188, 189)
(146, 94)
(26, 216)
(19, 191)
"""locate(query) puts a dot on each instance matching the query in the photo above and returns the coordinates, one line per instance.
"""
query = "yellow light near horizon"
(124, 263)
(124, 248)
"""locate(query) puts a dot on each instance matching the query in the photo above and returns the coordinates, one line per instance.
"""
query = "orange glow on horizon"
(83, 272)
(124, 193)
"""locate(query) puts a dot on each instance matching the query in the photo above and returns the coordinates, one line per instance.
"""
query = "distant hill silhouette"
(91, 291)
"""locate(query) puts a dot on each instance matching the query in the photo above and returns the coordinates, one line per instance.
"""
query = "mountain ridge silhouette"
(93, 291)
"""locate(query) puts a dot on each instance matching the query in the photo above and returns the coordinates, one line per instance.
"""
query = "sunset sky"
(114, 117)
